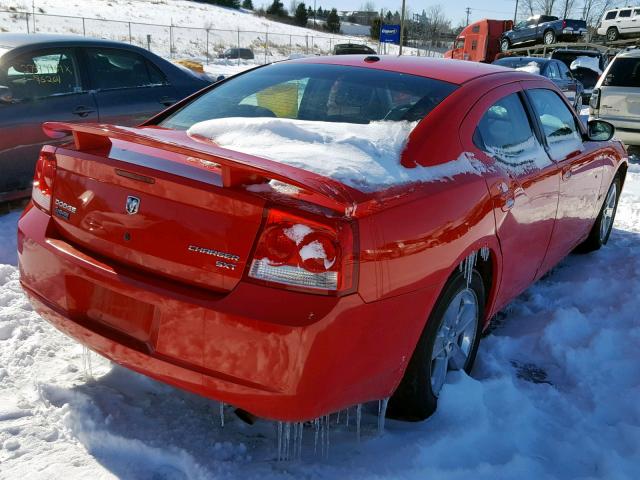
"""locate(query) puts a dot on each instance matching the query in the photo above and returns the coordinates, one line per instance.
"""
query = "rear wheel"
(549, 37)
(505, 44)
(613, 34)
(448, 342)
(603, 225)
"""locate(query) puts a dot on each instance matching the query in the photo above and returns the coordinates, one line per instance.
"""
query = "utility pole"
(401, 27)
(468, 13)
(515, 14)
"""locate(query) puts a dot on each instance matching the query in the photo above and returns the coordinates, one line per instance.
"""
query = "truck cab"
(479, 41)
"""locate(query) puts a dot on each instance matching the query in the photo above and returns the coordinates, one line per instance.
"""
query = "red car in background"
(292, 294)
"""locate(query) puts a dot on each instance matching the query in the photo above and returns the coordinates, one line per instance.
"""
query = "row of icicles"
(290, 434)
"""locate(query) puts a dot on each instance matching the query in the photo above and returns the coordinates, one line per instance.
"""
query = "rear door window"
(112, 68)
(559, 125)
(505, 133)
(624, 13)
(41, 74)
(611, 15)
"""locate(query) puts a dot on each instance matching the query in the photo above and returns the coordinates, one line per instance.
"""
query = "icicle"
(86, 363)
(326, 437)
(222, 414)
(358, 420)
(279, 441)
(347, 419)
(484, 253)
(316, 424)
(382, 412)
(338, 418)
(287, 439)
(298, 440)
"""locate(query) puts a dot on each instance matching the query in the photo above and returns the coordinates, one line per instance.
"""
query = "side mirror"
(600, 131)
(5, 95)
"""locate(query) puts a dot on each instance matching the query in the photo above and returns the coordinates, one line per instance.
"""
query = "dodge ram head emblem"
(133, 204)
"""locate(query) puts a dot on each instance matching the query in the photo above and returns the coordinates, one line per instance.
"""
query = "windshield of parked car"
(624, 72)
(326, 93)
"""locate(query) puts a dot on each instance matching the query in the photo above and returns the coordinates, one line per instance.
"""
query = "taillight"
(305, 254)
(564, 24)
(43, 179)
(594, 101)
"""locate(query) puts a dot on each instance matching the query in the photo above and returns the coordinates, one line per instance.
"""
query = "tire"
(613, 34)
(505, 45)
(603, 225)
(416, 398)
(549, 37)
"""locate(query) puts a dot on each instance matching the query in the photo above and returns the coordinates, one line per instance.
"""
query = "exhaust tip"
(245, 416)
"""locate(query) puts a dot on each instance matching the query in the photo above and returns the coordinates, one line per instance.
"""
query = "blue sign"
(390, 34)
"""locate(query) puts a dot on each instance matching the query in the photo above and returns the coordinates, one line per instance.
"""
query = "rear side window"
(610, 16)
(558, 123)
(625, 13)
(624, 72)
(112, 68)
(505, 133)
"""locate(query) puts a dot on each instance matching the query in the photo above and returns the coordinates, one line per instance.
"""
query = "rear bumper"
(277, 354)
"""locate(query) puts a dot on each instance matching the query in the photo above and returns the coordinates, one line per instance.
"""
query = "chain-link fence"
(174, 41)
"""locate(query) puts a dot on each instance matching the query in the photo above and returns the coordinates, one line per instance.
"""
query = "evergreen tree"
(301, 16)
(248, 4)
(333, 21)
(277, 9)
(374, 31)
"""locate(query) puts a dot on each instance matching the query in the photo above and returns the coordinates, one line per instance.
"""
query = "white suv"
(620, 21)
(616, 96)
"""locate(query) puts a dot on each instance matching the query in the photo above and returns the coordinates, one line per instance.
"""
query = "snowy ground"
(554, 395)
(227, 27)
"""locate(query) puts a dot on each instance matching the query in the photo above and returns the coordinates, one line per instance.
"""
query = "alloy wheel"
(455, 337)
(608, 212)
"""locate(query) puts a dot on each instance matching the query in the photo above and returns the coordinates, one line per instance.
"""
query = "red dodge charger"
(318, 233)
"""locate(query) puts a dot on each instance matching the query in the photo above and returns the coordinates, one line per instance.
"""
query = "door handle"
(82, 111)
(505, 196)
(167, 101)
(567, 173)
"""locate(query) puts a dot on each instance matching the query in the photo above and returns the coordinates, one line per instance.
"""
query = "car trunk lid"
(168, 204)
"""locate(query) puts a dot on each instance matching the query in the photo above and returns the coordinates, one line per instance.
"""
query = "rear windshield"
(624, 72)
(327, 93)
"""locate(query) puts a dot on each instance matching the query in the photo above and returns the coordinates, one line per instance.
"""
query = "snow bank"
(365, 157)
(531, 67)
(591, 63)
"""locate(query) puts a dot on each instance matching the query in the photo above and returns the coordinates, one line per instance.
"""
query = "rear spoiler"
(237, 168)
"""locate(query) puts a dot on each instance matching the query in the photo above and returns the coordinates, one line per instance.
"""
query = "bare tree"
(565, 7)
(368, 7)
(529, 7)
(546, 6)
(593, 10)
(436, 22)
